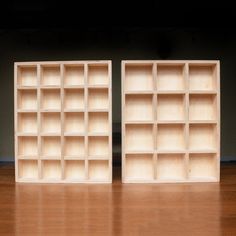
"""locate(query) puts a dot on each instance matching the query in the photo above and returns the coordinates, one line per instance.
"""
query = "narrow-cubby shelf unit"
(170, 121)
(63, 122)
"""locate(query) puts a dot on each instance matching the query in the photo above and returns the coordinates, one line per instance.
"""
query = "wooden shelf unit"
(63, 122)
(170, 121)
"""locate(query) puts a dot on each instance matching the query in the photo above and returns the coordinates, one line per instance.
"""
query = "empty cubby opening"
(28, 169)
(51, 169)
(98, 122)
(139, 77)
(50, 99)
(50, 75)
(28, 146)
(139, 137)
(74, 146)
(74, 122)
(27, 99)
(139, 107)
(170, 107)
(171, 137)
(98, 170)
(74, 75)
(27, 123)
(27, 76)
(51, 122)
(139, 167)
(170, 77)
(98, 146)
(98, 74)
(74, 99)
(203, 166)
(74, 170)
(202, 77)
(171, 167)
(202, 107)
(98, 98)
(51, 146)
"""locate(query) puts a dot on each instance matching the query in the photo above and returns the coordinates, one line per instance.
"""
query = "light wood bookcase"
(170, 121)
(63, 122)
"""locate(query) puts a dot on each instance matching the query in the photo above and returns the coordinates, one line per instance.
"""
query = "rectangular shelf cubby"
(170, 121)
(63, 122)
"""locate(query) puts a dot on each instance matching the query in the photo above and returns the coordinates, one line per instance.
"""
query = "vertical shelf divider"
(62, 117)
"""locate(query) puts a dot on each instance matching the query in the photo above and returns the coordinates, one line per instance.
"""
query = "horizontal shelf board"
(51, 134)
(50, 110)
(50, 87)
(24, 87)
(98, 110)
(202, 91)
(74, 134)
(139, 152)
(139, 122)
(27, 110)
(28, 157)
(171, 92)
(213, 151)
(171, 180)
(74, 86)
(138, 92)
(58, 157)
(99, 157)
(203, 179)
(26, 134)
(98, 134)
(171, 151)
(74, 157)
(137, 180)
(74, 110)
(202, 121)
(99, 86)
(171, 121)
(23, 179)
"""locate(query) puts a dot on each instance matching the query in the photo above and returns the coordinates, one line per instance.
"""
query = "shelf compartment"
(27, 123)
(170, 107)
(98, 170)
(139, 137)
(51, 122)
(202, 137)
(139, 107)
(170, 77)
(98, 98)
(98, 145)
(202, 77)
(171, 137)
(138, 77)
(74, 75)
(98, 74)
(51, 146)
(50, 99)
(51, 169)
(139, 167)
(202, 107)
(171, 167)
(74, 122)
(28, 169)
(74, 146)
(50, 75)
(98, 122)
(74, 99)
(27, 76)
(27, 99)
(28, 146)
(74, 170)
(203, 166)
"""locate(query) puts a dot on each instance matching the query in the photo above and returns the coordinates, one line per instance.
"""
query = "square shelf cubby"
(171, 137)
(51, 122)
(202, 107)
(51, 170)
(203, 166)
(74, 146)
(98, 74)
(139, 77)
(171, 167)
(139, 167)
(28, 169)
(74, 75)
(27, 123)
(74, 122)
(27, 99)
(171, 107)
(202, 77)
(50, 75)
(28, 146)
(51, 146)
(98, 99)
(74, 99)
(50, 99)
(27, 76)
(98, 146)
(170, 77)
(74, 170)
(139, 137)
(202, 137)
(98, 122)
(98, 170)
(139, 107)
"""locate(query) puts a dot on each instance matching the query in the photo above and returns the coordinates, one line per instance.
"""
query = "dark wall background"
(36, 36)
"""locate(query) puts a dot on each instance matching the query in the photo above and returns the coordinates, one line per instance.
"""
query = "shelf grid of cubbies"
(170, 121)
(63, 121)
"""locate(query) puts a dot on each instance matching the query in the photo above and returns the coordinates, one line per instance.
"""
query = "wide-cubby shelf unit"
(63, 122)
(170, 121)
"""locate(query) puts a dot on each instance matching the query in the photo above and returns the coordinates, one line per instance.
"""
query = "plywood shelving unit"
(63, 122)
(170, 121)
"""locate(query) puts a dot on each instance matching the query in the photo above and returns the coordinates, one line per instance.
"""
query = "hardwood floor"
(118, 209)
